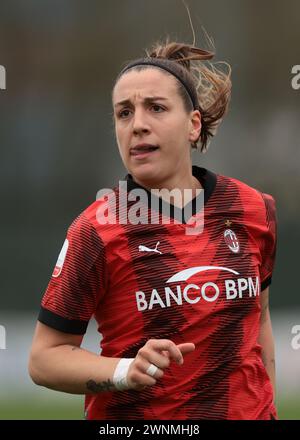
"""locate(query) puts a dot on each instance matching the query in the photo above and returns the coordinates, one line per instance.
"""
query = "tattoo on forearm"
(107, 385)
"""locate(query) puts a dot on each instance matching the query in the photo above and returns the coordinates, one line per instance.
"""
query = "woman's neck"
(174, 190)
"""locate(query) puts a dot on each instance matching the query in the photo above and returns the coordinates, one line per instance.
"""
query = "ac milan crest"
(232, 241)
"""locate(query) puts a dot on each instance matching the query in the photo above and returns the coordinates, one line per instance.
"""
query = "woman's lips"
(143, 151)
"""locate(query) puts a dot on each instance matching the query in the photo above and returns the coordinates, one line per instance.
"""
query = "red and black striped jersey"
(143, 281)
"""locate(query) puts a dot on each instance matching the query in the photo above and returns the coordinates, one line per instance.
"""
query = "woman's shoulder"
(254, 200)
(245, 189)
(97, 216)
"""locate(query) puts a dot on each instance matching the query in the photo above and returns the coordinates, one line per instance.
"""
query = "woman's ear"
(195, 126)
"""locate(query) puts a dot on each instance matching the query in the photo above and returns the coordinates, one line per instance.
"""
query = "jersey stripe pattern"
(145, 281)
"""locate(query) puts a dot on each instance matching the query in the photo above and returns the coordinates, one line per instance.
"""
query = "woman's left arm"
(265, 338)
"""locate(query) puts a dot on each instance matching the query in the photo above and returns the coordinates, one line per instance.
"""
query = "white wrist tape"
(120, 374)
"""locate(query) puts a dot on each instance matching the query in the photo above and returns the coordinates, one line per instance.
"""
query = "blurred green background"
(71, 409)
(57, 149)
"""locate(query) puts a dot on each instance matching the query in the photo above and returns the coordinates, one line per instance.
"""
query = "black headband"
(173, 68)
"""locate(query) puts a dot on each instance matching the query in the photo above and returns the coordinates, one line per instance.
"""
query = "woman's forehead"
(147, 82)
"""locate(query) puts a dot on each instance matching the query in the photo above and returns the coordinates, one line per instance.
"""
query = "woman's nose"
(140, 124)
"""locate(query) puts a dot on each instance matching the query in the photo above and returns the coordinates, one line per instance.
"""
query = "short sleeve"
(78, 280)
(269, 241)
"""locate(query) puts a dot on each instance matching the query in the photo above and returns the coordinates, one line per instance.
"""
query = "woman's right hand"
(159, 352)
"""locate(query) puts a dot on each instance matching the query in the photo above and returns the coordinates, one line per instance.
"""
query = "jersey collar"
(206, 178)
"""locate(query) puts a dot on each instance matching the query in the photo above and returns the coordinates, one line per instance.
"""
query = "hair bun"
(180, 52)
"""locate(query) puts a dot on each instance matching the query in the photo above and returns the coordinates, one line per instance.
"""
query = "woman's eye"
(124, 113)
(157, 108)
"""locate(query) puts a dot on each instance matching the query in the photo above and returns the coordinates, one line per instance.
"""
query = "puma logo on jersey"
(146, 249)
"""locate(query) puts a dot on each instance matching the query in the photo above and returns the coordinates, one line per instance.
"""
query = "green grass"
(41, 410)
(32, 409)
(289, 409)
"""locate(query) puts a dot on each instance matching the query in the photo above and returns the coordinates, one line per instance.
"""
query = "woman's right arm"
(58, 362)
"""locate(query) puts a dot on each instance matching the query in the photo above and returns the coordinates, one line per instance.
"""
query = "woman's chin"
(147, 173)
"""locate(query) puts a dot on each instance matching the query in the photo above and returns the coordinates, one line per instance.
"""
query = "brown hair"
(213, 87)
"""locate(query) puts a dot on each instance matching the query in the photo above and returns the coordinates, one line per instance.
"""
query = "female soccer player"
(184, 314)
